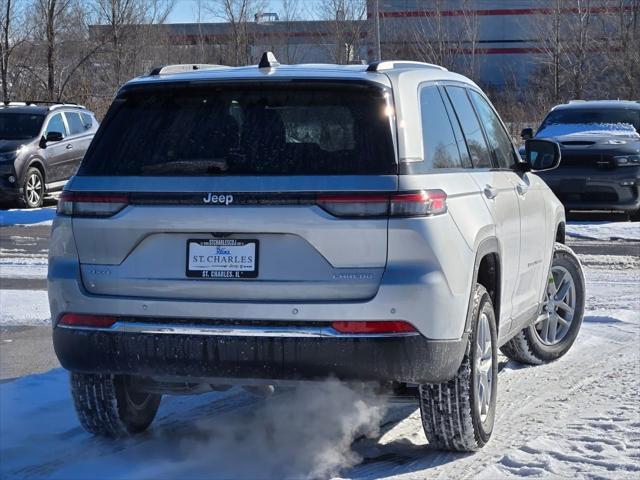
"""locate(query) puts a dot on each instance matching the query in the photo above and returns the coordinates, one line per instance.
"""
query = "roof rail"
(40, 103)
(576, 101)
(66, 105)
(183, 68)
(391, 64)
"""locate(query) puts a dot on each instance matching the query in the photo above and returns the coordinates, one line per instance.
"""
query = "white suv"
(270, 224)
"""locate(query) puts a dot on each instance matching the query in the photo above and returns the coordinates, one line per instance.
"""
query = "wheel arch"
(487, 271)
(36, 162)
(560, 232)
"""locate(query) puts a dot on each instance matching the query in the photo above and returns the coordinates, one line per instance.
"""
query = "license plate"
(222, 258)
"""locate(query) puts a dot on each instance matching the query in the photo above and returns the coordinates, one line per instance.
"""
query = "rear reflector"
(373, 327)
(96, 321)
(91, 204)
(409, 204)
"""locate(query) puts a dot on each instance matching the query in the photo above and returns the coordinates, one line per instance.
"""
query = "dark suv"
(41, 147)
(600, 168)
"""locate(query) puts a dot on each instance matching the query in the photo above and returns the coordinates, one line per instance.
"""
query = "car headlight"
(8, 156)
(627, 160)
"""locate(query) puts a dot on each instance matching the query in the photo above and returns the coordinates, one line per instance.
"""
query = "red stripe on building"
(500, 11)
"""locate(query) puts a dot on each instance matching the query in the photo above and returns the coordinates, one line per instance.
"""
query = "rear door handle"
(490, 192)
(522, 189)
(69, 146)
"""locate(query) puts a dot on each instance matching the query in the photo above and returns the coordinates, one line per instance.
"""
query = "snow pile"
(562, 129)
(604, 230)
(24, 307)
(35, 216)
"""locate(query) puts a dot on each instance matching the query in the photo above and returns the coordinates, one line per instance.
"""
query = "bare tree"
(125, 32)
(347, 28)
(51, 13)
(238, 14)
(450, 41)
(571, 42)
(12, 37)
(623, 28)
(290, 13)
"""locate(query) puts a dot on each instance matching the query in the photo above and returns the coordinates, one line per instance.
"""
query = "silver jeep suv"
(271, 224)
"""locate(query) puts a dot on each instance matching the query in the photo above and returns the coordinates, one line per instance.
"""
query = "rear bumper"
(405, 358)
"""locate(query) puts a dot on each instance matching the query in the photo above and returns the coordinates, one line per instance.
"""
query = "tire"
(635, 217)
(108, 406)
(450, 411)
(534, 345)
(32, 189)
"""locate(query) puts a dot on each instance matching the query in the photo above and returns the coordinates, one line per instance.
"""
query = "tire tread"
(446, 407)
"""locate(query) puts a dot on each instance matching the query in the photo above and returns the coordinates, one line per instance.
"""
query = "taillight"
(419, 204)
(79, 320)
(355, 205)
(407, 204)
(393, 326)
(91, 204)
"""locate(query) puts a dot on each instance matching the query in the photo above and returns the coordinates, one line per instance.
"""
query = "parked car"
(272, 224)
(600, 144)
(41, 147)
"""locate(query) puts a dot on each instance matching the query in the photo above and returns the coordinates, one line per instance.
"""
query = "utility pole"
(373, 30)
(376, 29)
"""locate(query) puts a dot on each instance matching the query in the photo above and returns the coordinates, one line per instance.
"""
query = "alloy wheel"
(558, 310)
(34, 190)
(483, 367)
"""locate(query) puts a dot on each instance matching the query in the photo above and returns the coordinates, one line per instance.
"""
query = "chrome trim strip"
(234, 330)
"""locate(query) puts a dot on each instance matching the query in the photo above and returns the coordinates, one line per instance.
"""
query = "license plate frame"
(221, 273)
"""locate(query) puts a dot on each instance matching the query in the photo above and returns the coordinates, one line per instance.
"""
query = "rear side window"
(245, 130)
(75, 123)
(498, 138)
(478, 149)
(440, 148)
(87, 121)
(56, 124)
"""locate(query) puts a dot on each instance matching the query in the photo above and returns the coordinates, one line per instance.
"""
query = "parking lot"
(578, 414)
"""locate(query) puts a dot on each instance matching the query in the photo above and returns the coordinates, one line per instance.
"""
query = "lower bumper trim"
(410, 359)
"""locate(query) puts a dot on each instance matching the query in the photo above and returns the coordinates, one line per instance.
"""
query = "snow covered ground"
(24, 307)
(604, 230)
(35, 216)
(578, 417)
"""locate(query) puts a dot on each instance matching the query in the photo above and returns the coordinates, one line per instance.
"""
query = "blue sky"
(184, 11)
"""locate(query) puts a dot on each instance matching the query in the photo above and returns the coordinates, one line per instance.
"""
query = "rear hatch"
(240, 192)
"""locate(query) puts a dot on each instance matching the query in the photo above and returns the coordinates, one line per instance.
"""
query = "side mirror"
(54, 137)
(542, 154)
(526, 133)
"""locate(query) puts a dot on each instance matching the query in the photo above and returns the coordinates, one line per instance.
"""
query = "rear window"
(245, 130)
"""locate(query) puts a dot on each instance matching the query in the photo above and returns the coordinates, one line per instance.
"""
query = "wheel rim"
(484, 367)
(34, 189)
(559, 307)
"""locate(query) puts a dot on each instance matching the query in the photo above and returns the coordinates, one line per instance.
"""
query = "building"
(492, 41)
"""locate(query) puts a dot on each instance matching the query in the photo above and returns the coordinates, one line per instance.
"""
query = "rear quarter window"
(478, 149)
(279, 129)
(439, 141)
(75, 123)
